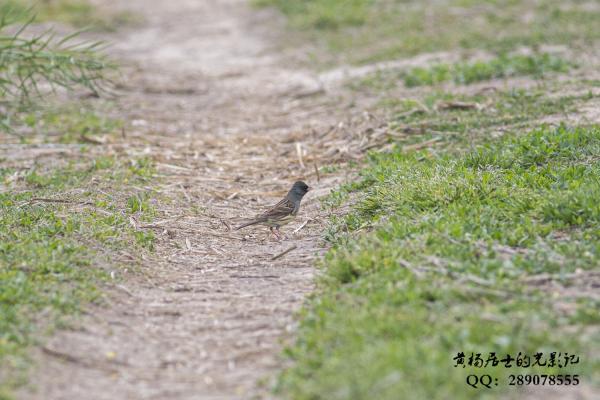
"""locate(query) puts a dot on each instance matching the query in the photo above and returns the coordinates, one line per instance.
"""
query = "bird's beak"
(309, 189)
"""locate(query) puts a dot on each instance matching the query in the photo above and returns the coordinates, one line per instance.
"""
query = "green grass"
(34, 64)
(360, 31)
(78, 13)
(81, 123)
(491, 114)
(53, 256)
(322, 15)
(432, 261)
(464, 73)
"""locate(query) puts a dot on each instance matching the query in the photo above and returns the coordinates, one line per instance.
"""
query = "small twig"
(309, 93)
(124, 289)
(185, 193)
(227, 224)
(45, 200)
(420, 110)
(72, 359)
(486, 89)
(452, 240)
(541, 278)
(62, 356)
(299, 152)
(405, 264)
(217, 250)
(317, 172)
(419, 146)
(301, 226)
(410, 130)
(489, 291)
(459, 105)
(174, 167)
(92, 140)
(151, 226)
(283, 253)
(475, 279)
(370, 146)
(158, 224)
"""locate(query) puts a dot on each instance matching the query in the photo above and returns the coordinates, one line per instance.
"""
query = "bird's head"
(299, 189)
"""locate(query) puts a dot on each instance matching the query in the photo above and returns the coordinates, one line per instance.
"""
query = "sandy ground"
(211, 101)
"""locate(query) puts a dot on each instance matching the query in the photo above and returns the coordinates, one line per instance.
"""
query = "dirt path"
(209, 99)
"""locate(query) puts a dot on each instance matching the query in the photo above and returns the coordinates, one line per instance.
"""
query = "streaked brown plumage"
(283, 212)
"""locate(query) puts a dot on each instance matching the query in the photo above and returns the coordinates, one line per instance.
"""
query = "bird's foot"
(276, 234)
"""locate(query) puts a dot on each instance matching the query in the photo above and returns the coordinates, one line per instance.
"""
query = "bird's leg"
(273, 232)
(278, 233)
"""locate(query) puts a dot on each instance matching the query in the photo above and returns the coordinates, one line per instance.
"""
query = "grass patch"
(81, 123)
(322, 15)
(34, 64)
(54, 255)
(78, 13)
(464, 73)
(459, 121)
(435, 263)
(360, 31)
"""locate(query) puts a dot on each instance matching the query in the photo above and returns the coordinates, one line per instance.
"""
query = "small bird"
(283, 212)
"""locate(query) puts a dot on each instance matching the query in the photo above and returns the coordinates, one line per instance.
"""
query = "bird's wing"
(282, 209)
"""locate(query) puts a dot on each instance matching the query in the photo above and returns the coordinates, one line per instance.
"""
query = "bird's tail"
(247, 224)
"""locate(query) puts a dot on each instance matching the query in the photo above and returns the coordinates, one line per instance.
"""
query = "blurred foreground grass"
(78, 13)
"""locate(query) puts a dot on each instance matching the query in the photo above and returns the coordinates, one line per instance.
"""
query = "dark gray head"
(298, 190)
